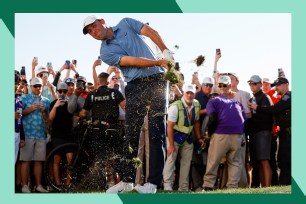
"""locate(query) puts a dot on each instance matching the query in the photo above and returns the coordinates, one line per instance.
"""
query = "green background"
(9, 8)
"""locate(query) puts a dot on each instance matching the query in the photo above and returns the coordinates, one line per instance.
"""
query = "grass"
(268, 190)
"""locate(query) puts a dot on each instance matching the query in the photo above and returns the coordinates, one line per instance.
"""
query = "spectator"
(227, 138)
(61, 120)
(18, 116)
(282, 114)
(198, 163)
(183, 117)
(267, 89)
(144, 76)
(47, 88)
(35, 112)
(259, 128)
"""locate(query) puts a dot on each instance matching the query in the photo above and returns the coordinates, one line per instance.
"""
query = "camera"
(218, 50)
(22, 71)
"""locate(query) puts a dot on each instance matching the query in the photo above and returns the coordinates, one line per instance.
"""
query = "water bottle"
(254, 102)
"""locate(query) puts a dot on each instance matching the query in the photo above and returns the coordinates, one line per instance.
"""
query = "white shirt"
(173, 111)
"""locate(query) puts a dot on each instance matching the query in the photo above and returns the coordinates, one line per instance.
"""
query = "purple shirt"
(18, 104)
(230, 115)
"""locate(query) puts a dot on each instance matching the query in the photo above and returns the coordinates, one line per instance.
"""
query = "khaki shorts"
(34, 150)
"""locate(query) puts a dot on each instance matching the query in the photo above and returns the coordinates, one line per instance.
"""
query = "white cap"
(35, 81)
(223, 79)
(255, 78)
(266, 80)
(88, 20)
(41, 69)
(189, 87)
(207, 80)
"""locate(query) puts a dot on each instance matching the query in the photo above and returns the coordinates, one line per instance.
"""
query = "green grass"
(268, 190)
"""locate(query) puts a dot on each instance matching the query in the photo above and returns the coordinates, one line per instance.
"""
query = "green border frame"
(7, 13)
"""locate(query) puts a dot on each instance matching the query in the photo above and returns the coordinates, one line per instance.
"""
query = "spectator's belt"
(154, 77)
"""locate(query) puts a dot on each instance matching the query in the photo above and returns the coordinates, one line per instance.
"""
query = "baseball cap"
(35, 81)
(223, 79)
(279, 81)
(61, 86)
(87, 21)
(266, 80)
(189, 87)
(81, 78)
(41, 69)
(234, 74)
(207, 80)
(69, 80)
(255, 78)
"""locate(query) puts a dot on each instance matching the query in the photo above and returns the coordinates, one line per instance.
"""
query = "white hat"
(41, 69)
(255, 78)
(189, 87)
(35, 81)
(266, 80)
(88, 20)
(207, 80)
(223, 79)
(62, 86)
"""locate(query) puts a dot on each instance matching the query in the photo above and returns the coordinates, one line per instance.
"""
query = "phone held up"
(68, 64)
(22, 71)
(49, 64)
(218, 50)
(74, 61)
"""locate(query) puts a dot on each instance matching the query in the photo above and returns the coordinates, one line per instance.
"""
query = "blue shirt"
(18, 104)
(230, 115)
(33, 123)
(203, 99)
(127, 41)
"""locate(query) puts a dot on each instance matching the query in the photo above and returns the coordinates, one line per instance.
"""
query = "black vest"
(105, 105)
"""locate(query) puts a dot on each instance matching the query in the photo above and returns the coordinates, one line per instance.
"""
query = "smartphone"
(218, 50)
(99, 58)
(74, 61)
(62, 97)
(68, 64)
(49, 64)
(19, 110)
(195, 73)
(36, 59)
(22, 71)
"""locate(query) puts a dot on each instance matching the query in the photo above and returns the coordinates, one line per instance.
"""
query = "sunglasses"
(114, 78)
(252, 83)
(208, 85)
(37, 86)
(222, 85)
(43, 74)
(62, 91)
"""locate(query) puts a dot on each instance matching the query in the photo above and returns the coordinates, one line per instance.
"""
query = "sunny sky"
(250, 43)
